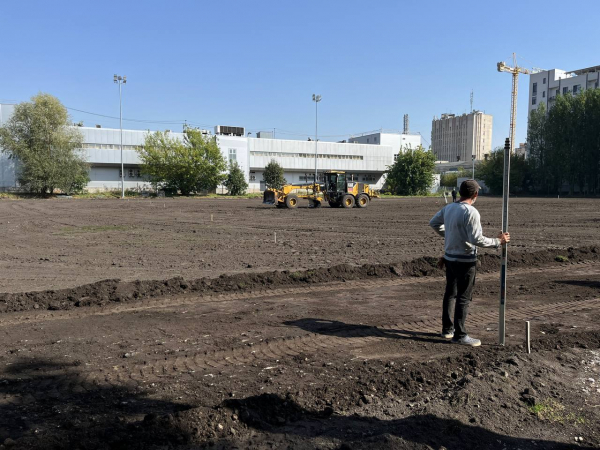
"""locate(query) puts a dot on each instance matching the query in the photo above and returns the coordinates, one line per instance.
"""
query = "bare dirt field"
(145, 324)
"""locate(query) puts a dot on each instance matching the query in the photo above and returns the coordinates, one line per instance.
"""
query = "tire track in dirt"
(201, 364)
(273, 349)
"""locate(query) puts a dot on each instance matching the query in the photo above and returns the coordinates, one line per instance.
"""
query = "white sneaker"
(447, 334)
(467, 340)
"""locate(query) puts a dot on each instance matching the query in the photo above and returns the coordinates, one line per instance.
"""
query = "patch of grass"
(225, 196)
(114, 193)
(20, 196)
(412, 196)
(561, 258)
(297, 275)
(553, 411)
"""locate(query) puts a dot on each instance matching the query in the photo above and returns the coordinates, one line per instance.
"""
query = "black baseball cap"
(469, 188)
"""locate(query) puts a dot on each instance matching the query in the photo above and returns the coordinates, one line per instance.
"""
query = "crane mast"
(515, 71)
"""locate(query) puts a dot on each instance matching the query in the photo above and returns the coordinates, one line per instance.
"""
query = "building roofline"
(383, 131)
(584, 71)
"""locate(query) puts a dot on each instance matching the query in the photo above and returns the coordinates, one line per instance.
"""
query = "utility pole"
(316, 99)
(121, 81)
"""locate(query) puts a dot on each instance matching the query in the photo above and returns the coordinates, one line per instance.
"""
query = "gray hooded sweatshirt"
(460, 225)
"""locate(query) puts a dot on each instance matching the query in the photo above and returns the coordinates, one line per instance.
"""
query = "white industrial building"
(366, 156)
(545, 85)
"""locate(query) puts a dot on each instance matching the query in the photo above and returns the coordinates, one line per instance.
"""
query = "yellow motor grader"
(337, 190)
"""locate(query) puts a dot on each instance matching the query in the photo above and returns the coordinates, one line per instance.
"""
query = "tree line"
(564, 150)
(564, 144)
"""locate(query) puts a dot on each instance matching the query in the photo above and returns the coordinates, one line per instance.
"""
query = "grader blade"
(269, 198)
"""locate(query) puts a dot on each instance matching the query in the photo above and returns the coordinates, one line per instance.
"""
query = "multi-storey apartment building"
(461, 138)
(544, 86)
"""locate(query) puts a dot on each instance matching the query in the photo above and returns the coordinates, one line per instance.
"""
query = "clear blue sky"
(257, 63)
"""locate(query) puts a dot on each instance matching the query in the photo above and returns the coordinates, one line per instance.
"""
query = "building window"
(534, 88)
(544, 81)
(396, 157)
(367, 140)
(232, 155)
(533, 100)
(565, 90)
(543, 94)
(131, 173)
(576, 88)
(138, 173)
(252, 176)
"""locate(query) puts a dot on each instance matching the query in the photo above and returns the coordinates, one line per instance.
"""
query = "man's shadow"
(345, 330)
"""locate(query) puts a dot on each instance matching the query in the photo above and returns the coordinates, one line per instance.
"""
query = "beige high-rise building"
(457, 138)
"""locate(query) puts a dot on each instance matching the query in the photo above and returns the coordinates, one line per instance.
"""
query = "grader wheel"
(291, 201)
(362, 201)
(348, 201)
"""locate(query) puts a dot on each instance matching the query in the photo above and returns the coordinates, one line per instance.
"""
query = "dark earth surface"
(142, 324)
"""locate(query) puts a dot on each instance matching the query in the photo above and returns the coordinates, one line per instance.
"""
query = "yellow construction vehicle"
(337, 190)
(288, 195)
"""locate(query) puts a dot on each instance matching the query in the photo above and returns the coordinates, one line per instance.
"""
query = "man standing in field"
(460, 225)
(453, 195)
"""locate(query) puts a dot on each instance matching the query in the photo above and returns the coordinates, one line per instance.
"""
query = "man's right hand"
(504, 238)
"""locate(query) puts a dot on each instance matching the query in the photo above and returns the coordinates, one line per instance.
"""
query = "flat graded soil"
(143, 324)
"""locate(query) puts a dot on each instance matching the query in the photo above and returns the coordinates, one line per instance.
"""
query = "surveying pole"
(502, 312)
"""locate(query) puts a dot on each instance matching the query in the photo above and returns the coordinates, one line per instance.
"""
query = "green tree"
(491, 171)
(48, 150)
(412, 173)
(273, 175)
(539, 155)
(564, 143)
(191, 165)
(236, 182)
(450, 179)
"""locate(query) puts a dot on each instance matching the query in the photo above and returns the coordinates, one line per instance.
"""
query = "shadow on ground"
(299, 427)
(345, 330)
(53, 404)
(584, 283)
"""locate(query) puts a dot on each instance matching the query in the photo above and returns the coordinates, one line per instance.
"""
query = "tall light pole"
(316, 99)
(121, 80)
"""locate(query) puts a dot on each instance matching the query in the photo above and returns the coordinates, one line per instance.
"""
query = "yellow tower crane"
(515, 70)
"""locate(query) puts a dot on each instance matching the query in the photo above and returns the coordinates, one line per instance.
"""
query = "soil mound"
(115, 290)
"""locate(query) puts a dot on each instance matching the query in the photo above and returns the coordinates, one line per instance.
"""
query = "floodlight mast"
(121, 80)
(316, 99)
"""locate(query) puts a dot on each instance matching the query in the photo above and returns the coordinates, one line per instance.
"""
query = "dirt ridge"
(117, 291)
